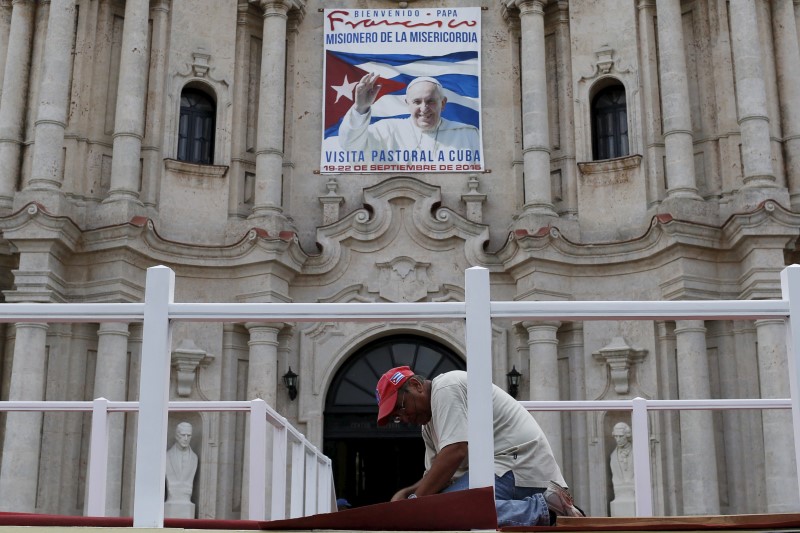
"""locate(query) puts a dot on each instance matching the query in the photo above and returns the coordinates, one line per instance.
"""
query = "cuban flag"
(456, 71)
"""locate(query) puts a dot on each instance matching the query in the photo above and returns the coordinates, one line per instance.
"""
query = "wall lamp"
(513, 381)
(290, 380)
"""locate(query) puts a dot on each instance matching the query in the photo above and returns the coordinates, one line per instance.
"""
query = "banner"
(402, 91)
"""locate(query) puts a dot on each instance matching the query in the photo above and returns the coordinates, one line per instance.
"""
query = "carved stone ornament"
(402, 280)
(620, 357)
(185, 360)
(606, 64)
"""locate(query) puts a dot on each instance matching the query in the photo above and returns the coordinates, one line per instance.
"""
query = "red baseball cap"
(386, 391)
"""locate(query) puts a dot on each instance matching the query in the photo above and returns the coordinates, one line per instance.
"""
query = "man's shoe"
(559, 501)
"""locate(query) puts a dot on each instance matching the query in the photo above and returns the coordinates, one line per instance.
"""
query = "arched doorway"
(371, 463)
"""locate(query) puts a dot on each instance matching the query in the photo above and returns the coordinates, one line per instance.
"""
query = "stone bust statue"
(621, 463)
(180, 472)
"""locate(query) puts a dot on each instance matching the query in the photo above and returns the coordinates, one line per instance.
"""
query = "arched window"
(609, 123)
(370, 463)
(196, 128)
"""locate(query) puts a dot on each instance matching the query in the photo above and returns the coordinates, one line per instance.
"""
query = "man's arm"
(440, 473)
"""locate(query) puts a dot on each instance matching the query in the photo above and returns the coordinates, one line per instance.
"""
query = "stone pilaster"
(14, 97)
(677, 123)
(773, 372)
(698, 458)
(579, 479)
(543, 365)
(751, 98)
(566, 110)
(648, 74)
(126, 167)
(787, 56)
(271, 102)
(20, 461)
(538, 205)
(239, 111)
(152, 155)
(111, 383)
(729, 378)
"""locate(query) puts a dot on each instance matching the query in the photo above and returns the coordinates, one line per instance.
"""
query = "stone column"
(677, 122)
(773, 372)
(271, 101)
(262, 382)
(19, 472)
(787, 55)
(5, 30)
(535, 125)
(13, 102)
(751, 96)
(47, 170)
(152, 156)
(543, 365)
(111, 383)
(698, 453)
(126, 167)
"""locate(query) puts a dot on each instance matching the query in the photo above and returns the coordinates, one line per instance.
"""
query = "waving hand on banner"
(366, 92)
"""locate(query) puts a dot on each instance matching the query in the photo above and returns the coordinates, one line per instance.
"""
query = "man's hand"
(403, 494)
(366, 92)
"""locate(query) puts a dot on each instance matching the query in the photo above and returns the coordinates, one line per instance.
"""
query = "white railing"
(159, 311)
(640, 431)
(311, 487)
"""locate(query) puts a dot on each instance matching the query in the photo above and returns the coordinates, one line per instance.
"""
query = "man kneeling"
(529, 487)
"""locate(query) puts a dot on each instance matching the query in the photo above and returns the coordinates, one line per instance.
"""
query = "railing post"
(258, 460)
(328, 497)
(279, 436)
(151, 439)
(641, 458)
(311, 480)
(790, 291)
(98, 460)
(298, 475)
(479, 378)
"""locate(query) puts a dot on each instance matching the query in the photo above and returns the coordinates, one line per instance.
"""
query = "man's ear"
(444, 101)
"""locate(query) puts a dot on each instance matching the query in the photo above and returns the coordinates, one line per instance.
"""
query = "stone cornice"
(33, 224)
(770, 225)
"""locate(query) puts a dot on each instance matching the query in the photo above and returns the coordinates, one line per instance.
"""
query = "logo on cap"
(396, 378)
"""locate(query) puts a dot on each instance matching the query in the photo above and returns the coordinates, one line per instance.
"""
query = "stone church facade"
(634, 150)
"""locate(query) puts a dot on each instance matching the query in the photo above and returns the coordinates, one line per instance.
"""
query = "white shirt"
(393, 134)
(520, 444)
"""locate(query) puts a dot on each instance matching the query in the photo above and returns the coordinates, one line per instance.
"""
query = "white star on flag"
(345, 89)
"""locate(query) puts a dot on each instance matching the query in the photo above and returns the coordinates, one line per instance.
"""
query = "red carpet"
(462, 510)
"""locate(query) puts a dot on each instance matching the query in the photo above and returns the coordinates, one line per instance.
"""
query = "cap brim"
(385, 409)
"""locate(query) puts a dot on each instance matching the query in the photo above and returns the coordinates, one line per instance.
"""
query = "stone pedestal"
(624, 503)
(179, 510)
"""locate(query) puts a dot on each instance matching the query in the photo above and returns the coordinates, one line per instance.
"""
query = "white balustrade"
(311, 489)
